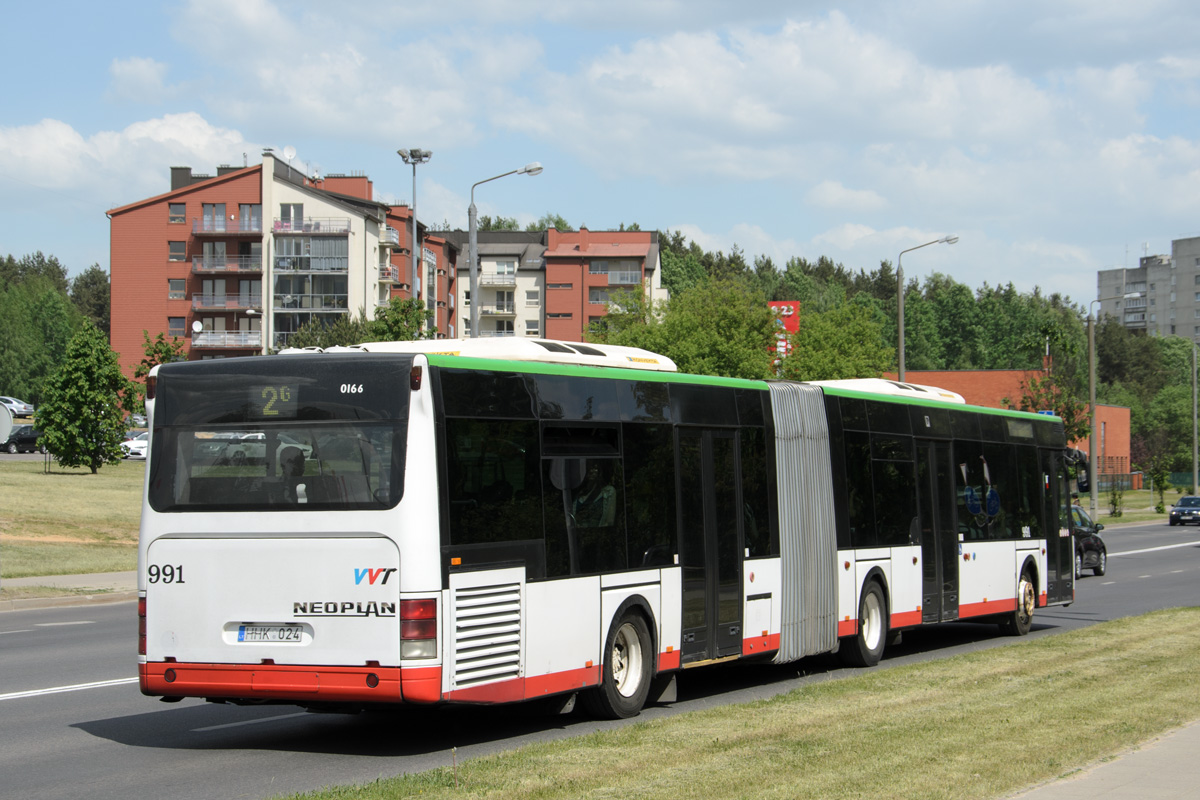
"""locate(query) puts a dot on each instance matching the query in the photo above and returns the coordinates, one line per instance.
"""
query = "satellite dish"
(197, 326)
(289, 152)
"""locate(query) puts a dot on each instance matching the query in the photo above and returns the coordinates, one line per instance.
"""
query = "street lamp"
(900, 294)
(415, 156)
(1093, 461)
(533, 168)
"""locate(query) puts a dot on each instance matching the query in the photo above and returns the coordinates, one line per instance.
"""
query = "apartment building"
(234, 264)
(193, 262)
(1160, 296)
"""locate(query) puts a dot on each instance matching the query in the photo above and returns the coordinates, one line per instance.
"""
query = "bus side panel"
(904, 601)
(1034, 549)
(987, 584)
(763, 607)
(616, 589)
(670, 620)
(848, 592)
(561, 650)
(870, 560)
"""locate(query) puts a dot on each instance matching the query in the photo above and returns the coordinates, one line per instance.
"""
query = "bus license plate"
(269, 633)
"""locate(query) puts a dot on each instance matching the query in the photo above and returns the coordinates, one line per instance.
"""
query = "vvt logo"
(372, 575)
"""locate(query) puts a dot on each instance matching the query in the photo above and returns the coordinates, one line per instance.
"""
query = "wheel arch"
(877, 575)
(638, 603)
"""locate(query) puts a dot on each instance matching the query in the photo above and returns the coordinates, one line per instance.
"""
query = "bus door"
(939, 534)
(1060, 548)
(710, 543)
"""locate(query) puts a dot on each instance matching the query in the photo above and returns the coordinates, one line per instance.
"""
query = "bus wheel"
(1020, 621)
(625, 675)
(865, 648)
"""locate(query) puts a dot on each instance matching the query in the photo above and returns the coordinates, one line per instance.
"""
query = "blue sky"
(1055, 139)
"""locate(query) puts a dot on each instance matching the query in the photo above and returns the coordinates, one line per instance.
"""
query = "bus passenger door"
(1060, 547)
(710, 544)
(939, 536)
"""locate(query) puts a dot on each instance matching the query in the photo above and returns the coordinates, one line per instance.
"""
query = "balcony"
(495, 334)
(389, 237)
(227, 227)
(624, 278)
(389, 273)
(228, 340)
(225, 302)
(498, 310)
(312, 225)
(498, 279)
(312, 263)
(306, 302)
(207, 265)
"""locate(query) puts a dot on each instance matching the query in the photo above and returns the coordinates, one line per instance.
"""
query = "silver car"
(19, 408)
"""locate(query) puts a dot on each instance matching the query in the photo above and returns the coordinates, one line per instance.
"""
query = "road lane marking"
(23, 630)
(79, 687)
(1153, 549)
(61, 624)
(249, 722)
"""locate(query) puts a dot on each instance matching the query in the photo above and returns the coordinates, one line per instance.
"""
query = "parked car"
(1090, 552)
(1185, 511)
(135, 446)
(23, 439)
(19, 408)
(136, 420)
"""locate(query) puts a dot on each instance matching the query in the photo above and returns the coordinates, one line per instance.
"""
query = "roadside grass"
(28, 592)
(979, 725)
(68, 521)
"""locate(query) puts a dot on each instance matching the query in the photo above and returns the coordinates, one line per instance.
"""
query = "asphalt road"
(72, 722)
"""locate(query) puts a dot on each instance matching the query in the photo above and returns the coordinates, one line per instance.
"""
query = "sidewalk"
(110, 587)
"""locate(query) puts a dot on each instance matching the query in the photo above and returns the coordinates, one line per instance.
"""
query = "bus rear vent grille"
(487, 633)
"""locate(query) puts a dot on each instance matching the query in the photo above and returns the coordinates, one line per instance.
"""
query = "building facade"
(1160, 296)
(236, 263)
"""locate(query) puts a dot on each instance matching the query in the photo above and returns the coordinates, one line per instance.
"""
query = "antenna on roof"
(289, 153)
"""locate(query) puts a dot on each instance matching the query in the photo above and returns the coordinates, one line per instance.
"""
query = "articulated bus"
(494, 521)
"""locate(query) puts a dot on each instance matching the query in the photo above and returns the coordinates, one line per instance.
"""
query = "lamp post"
(900, 294)
(1093, 459)
(415, 156)
(533, 168)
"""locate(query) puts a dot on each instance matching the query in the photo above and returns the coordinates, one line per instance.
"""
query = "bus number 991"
(165, 574)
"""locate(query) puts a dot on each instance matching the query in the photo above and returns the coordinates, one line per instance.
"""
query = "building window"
(531, 327)
(451, 330)
(598, 267)
(559, 285)
(506, 268)
(176, 326)
(533, 298)
(177, 251)
(291, 216)
(559, 316)
(467, 299)
(176, 289)
(597, 296)
(176, 212)
(1152, 287)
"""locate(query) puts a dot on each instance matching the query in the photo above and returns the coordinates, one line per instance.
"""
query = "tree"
(549, 220)
(487, 223)
(1047, 391)
(842, 343)
(91, 294)
(342, 332)
(36, 322)
(156, 351)
(80, 417)
(36, 265)
(402, 320)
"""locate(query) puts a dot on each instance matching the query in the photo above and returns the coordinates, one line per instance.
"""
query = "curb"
(33, 603)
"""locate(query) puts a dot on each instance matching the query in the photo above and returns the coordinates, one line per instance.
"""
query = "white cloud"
(833, 195)
(138, 80)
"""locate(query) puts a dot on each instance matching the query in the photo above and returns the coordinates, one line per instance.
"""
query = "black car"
(1185, 511)
(23, 439)
(1090, 552)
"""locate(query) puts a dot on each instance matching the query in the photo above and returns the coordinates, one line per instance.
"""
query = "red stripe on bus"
(757, 645)
(669, 660)
(847, 627)
(904, 619)
(528, 688)
(271, 680)
(987, 607)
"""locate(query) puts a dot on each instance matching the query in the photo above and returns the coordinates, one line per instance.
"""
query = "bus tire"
(1020, 620)
(626, 672)
(865, 648)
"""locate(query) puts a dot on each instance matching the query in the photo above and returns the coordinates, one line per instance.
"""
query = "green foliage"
(1047, 391)
(845, 342)
(549, 220)
(155, 352)
(717, 328)
(80, 416)
(36, 322)
(30, 267)
(91, 294)
(342, 332)
(1115, 500)
(401, 321)
(488, 223)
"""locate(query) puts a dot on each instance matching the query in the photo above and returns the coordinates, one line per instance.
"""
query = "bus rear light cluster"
(141, 626)
(418, 628)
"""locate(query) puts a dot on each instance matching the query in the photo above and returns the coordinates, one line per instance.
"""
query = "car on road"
(19, 408)
(1185, 511)
(135, 446)
(1090, 552)
(23, 439)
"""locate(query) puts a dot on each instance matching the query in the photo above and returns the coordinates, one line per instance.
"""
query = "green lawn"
(981, 725)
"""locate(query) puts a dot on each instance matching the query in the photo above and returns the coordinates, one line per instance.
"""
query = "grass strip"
(979, 725)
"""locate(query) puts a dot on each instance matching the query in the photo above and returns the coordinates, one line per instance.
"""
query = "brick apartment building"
(193, 263)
